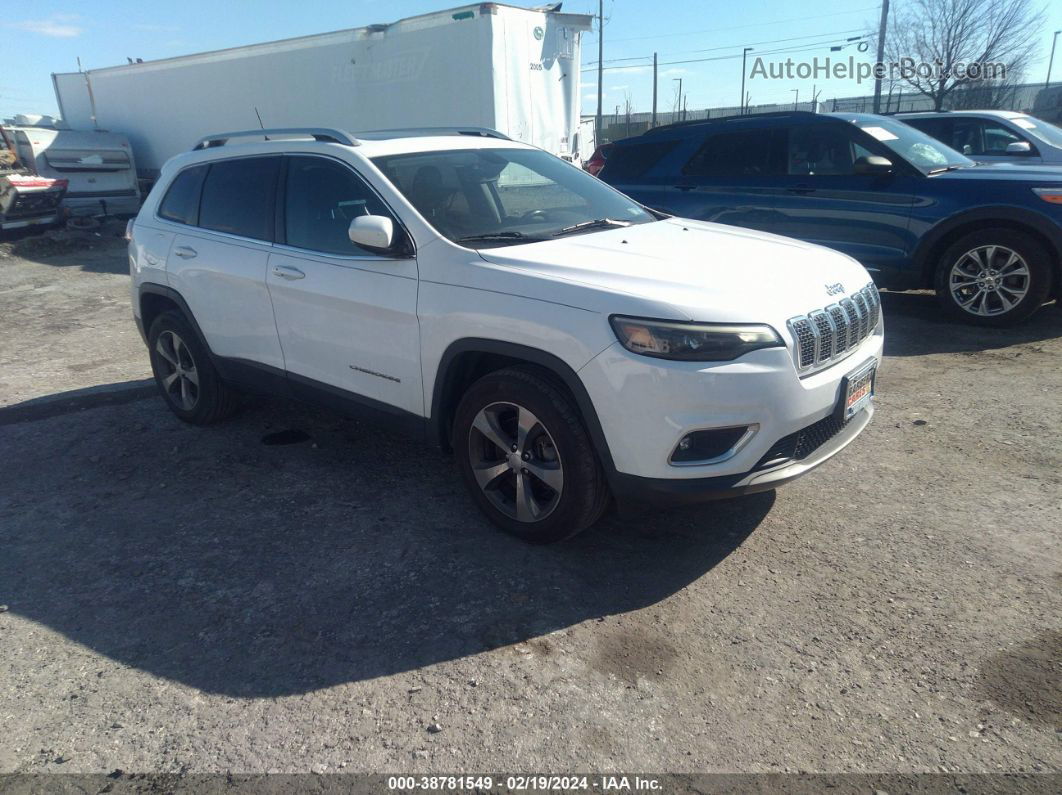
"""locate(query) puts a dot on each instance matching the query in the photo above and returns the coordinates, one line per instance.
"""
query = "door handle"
(802, 188)
(287, 272)
(185, 252)
(684, 188)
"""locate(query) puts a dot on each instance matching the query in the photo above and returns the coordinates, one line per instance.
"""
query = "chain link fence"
(1036, 99)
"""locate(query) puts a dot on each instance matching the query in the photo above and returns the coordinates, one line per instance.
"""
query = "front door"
(822, 200)
(347, 317)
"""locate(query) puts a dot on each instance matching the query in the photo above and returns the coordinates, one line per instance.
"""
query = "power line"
(784, 50)
(733, 46)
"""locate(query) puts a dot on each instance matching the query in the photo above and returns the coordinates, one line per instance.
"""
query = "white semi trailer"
(491, 65)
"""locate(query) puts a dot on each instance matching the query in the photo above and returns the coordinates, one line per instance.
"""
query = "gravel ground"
(197, 600)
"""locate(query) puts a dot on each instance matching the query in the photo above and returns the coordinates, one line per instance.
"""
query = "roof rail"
(418, 132)
(317, 133)
(735, 117)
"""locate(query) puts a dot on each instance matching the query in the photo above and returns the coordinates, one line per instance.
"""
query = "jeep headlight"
(692, 342)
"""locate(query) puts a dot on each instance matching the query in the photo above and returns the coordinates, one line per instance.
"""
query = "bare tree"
(949, 35)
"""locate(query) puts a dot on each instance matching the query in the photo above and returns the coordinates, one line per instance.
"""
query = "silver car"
(993, 136)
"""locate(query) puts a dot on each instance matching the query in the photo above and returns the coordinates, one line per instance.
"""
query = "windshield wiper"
(942, 169)
(501, 237)
(597, 223)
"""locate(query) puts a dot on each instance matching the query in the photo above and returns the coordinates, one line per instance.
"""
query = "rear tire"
(184, 373)
(994, 277)
(526, 458)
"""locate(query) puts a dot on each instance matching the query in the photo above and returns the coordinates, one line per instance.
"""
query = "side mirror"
(1019, 148)
(872, 164)
(373, 232)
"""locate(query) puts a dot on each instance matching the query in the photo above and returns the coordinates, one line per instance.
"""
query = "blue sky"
(44, 37)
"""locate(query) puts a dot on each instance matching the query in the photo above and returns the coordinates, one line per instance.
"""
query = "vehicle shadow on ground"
(257, 570)
(915, 325)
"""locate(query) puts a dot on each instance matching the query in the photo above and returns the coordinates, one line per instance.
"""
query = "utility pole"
(881, 53)
(744, 55)
(651, 126)
(684, 100)
(796, 98)
(600, 65)
(678, 103)
(1050, 61)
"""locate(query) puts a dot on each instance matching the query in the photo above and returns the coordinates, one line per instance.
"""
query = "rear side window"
(181, 202)
(938, 128)
(634, 160)
(239, 197)
(748, 153)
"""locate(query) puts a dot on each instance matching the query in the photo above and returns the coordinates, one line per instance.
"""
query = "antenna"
(259, 115)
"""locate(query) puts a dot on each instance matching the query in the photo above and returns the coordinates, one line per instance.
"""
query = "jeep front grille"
(830, 334)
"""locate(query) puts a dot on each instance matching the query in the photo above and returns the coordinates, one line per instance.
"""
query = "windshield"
(1038, 128)
(500, 197)
(914, 146)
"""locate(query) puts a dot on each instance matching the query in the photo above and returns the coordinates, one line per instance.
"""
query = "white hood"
(705, 271)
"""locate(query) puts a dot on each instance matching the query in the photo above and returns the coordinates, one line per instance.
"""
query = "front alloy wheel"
(515, 462)
(526, 457)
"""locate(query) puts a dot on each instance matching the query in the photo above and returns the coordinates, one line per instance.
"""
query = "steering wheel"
(540, 216)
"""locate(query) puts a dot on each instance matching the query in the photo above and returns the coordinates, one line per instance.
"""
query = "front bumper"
(646, 406)
(673, 491)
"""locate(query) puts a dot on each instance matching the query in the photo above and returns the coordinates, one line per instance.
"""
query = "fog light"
(709, 445)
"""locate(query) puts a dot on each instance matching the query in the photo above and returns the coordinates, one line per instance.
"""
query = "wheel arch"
(156, 299)
(467, 360)
(1043, 230)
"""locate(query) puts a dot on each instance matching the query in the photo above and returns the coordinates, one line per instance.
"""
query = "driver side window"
(323, 196)
(823, 150)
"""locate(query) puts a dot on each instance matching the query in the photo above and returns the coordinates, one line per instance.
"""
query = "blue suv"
(917, 214)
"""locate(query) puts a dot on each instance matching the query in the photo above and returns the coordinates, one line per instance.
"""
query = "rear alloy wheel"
(180, 380)
(184, 373)
(526, 458)
(996, 277)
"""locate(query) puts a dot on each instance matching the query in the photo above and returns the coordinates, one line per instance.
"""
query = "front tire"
(184, 374)
(994, 277)
(526, 458)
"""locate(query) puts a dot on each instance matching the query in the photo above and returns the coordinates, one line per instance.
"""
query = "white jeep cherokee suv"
(565, 343)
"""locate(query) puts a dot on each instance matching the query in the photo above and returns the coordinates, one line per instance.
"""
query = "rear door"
(822, 200)
(218, 261)
(347, 317)
(732, 178)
